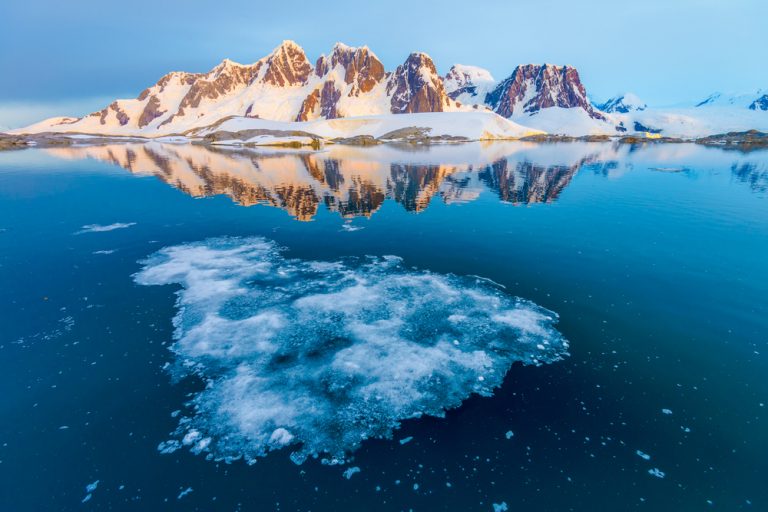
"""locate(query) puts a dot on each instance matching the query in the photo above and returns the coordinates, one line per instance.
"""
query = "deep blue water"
(654, 259)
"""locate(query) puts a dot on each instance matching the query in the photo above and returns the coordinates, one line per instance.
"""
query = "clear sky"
(69, 57)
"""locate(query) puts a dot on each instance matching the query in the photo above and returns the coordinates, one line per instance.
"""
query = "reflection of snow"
(351, 227)
(323, 355)
(98, 228)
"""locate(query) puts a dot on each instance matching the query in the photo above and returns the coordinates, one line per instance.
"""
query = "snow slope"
(468, 125)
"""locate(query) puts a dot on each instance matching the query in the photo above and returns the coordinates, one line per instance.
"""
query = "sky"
(74, 57)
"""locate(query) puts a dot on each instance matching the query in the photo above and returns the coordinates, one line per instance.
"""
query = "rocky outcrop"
(415, 86)
(151, 112)
(533, 87)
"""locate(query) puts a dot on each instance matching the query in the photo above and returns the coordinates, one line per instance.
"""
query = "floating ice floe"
(98, 228)
(321, 356)
(657, 473)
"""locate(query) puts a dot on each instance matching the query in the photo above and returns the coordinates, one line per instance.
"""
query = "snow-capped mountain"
(348, 82)
(285, 87)
(532, 87)
(468, 84)
(757, 100)
(622, 104)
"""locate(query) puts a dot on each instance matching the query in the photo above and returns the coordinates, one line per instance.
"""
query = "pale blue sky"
(67, 57)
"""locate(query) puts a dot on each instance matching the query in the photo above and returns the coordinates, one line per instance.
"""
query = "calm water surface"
(654, 260)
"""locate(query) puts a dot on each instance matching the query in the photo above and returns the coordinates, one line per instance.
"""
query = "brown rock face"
(545, 86)
(120, 114)
(151, 112)
(325, 100)
(221, 80)
(361, 67)
(415, 86)
(287, 66)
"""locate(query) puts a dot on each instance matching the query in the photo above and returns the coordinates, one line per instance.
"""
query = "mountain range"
(351, 82)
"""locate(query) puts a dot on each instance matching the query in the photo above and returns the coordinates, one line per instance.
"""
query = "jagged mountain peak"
(532, 87)
(415, 86)
(287, 66)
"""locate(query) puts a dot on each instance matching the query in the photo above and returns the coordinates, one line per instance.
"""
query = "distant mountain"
(757, 100)
(622, 104)
(760, 103)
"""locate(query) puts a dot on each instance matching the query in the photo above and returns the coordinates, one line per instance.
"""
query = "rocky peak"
(532, 87)
(361, 67)
(415, 86)
(287, 66)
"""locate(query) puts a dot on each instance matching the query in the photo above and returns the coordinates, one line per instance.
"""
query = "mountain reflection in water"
(356, 181)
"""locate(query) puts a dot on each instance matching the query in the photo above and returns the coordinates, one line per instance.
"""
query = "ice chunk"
(406, 440)
(351, 471)
(657, 473)
(643, 455)
(184, 493)
(500, 507)
(323, 355)
(509, 434)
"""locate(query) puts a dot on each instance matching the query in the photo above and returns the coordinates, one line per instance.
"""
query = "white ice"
(321, 356)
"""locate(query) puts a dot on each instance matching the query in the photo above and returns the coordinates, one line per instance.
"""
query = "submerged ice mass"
(320, 356)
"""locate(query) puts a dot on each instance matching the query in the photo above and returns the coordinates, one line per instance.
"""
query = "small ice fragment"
(500, 507)
(87, 498)
(406, 440)
(657, 473)
(64, 427)
(415, 487)
(184, 493)
(92, 486)
(509, 434)
(643, 455)
(280, 436)
(667, 411)
(351, 471)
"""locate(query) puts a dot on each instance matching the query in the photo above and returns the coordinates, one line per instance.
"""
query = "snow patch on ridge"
(323, 355)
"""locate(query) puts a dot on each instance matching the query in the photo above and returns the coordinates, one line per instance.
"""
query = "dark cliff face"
(321, 102)
(415, 86)
(532, 87)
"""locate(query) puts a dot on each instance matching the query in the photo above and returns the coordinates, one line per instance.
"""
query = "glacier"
(320, 356)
